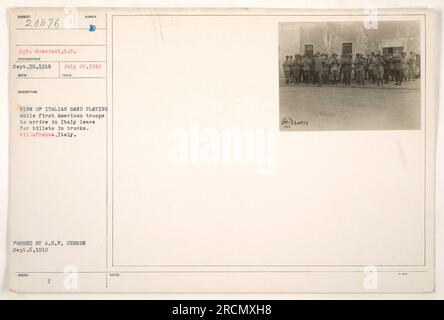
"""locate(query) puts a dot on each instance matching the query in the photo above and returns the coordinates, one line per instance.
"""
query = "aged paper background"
(264, 115)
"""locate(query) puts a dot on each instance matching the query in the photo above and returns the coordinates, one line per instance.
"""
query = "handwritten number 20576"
(43, 23)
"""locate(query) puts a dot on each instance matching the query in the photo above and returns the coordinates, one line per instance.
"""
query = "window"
(392, 50)
(347, 48)
(309, 50)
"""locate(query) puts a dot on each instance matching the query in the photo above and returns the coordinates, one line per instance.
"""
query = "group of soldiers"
(323, 69)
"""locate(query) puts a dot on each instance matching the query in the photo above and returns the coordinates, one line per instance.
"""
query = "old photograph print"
(346, 76)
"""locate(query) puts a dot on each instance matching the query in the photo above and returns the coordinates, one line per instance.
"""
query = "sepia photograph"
(350, 76)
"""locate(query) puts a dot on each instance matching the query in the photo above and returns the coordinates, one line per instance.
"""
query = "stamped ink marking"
(92, 28)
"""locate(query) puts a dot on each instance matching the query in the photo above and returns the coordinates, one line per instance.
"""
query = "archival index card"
(167, 150)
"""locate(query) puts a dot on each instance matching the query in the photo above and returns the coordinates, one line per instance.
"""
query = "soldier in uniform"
(301, 68)
(306, 68)
(359, 69)
(365, 67)
(378, 62)
(312, 70)
(296, 68)
(341, 71)
(318, 69)
(397, 68)
(404, 61)
(371, 67)
(334, 68)
(391, 68)
(325, 69)
(290, 65)
(347, 68)
(303, 61)
(417, 66)
(387, 63)
(412, 66)
(286, 67)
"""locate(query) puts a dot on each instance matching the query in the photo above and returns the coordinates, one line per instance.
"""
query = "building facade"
(353, 37)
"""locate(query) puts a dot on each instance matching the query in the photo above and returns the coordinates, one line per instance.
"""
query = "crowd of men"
(324, 69)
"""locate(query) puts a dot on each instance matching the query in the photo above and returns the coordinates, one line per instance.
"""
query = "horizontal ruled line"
(63, 29)
(223, 271)
(61, 78)
(37, 61)
(60, 45)
(260, 266)
(258, 15)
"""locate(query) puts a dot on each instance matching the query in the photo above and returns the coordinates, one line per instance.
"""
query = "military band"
(320, 69)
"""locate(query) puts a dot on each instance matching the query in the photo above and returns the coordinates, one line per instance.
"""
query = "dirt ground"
(310, 107)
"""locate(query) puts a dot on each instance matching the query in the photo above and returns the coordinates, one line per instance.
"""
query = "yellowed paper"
(166, 150)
